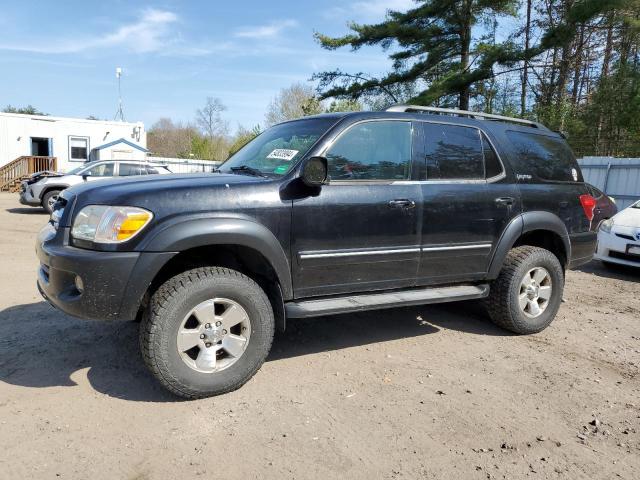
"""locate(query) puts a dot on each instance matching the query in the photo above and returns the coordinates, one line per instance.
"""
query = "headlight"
(606, 226)
(105, 224)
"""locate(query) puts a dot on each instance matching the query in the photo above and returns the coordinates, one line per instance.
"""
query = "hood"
(629, 217)
(167, 195)
(36, 177)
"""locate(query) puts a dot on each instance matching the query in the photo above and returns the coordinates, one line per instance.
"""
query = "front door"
(41, 147)
(467, 202)
(360, 232)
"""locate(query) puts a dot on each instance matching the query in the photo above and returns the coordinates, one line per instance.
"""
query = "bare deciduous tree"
(296, 101)
(209, 118)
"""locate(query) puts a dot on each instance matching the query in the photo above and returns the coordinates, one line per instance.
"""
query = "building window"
(79, 149)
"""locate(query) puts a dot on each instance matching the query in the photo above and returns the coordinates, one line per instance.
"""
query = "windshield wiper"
(250, 170)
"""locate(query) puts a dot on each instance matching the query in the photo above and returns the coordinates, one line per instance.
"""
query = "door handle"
(402, 203)
(505, 201)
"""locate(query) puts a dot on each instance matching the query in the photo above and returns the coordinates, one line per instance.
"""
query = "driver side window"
(376, 150)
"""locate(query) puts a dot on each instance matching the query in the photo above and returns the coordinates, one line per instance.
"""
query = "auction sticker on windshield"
(283, 154)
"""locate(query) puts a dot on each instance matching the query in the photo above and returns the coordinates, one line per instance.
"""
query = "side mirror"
(85, 175)
(315, 172)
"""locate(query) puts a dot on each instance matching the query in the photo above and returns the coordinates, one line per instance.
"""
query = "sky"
(61, 56)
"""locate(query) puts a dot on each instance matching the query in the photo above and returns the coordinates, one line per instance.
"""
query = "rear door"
(361, 231)
(468, 201)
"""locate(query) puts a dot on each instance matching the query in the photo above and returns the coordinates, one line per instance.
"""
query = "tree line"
(571, 64)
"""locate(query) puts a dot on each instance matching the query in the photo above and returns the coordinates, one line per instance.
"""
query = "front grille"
(626, 237)
(624, 256)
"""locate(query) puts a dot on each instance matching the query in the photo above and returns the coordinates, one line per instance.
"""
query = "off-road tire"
(167, 308)
(502, 303)
(45, 200)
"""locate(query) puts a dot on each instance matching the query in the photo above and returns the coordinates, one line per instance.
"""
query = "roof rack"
(464, 113)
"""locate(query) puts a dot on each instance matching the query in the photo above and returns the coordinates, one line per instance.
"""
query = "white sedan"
(619, 238)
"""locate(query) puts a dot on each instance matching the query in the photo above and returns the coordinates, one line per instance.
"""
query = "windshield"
(275, 151)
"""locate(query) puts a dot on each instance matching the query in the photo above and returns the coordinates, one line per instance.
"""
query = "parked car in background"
(42, 188)
(619, 238)
(605, 206)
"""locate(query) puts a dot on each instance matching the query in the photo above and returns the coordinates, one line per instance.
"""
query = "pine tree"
(435, 43)
(433, 47)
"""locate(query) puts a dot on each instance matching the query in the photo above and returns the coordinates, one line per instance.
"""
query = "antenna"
(119, 113)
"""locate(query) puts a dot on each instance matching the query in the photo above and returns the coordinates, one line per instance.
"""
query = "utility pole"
(120, 112)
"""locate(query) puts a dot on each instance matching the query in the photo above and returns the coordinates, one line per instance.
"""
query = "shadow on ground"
(612, 270)
(41, 347)
(28, 210)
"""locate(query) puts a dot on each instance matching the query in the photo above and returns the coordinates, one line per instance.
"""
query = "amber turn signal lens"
(132, 224)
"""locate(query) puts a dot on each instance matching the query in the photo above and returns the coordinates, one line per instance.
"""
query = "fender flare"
(59, 187)
(518, 226)
(180, 234)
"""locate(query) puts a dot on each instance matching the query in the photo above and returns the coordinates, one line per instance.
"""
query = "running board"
(372, 301)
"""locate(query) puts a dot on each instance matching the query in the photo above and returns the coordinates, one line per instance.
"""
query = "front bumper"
(615, 249)
(114, 283)
(27, 198)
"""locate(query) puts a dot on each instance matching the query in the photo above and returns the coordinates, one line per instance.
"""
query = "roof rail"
(464, 113)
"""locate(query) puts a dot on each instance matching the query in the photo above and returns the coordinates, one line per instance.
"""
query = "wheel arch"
(238, 244)
(48, 188)
(537, 228)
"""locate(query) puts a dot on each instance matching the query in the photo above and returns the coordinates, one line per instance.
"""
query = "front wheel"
(527, 294)
(206, 332)
(49, 200)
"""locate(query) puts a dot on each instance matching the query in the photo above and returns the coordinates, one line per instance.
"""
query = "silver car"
(42, 188)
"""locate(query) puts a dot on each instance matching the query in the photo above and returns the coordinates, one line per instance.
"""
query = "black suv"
(328, 214)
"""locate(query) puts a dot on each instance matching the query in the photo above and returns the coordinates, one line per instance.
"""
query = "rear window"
(543, 157)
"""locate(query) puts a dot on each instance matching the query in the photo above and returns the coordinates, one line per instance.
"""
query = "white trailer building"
(30, 143)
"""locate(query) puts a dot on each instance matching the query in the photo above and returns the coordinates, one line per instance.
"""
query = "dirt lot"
(428, 392)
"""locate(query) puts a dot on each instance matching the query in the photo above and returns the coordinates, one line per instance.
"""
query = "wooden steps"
(12, 174)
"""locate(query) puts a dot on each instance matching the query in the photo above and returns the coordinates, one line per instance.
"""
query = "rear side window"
(379, 150)
(543, 157)
(453, 152)
(128, 169)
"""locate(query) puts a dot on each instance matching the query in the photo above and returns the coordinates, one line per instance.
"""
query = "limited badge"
(574, 174)
(283, 154)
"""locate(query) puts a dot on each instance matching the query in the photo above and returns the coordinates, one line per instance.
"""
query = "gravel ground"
(421, 392)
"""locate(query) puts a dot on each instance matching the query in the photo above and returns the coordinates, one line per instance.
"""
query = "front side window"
(79, 148)
(275, 151)
(102, 170)
(129, 169)
(453, 152)
(377, 150)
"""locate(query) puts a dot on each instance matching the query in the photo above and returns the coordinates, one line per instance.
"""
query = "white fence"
(617, 177)
(186, 165)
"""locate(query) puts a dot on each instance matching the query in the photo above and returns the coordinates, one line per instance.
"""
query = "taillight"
(588, 205)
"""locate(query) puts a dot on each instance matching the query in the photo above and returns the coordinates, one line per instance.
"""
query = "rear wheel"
(49, 200)
(527, 294)
(206, 332)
